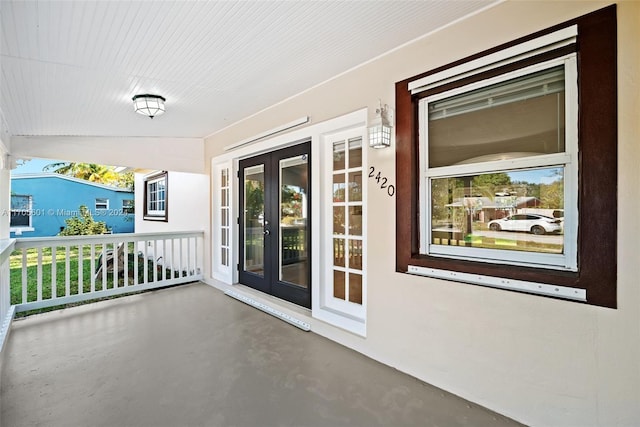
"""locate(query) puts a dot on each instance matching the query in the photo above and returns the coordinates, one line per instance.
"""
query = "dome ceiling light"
(149, 105)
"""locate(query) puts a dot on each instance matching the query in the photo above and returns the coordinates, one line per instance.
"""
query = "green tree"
(100, 174)
(291, 202)
(552, 195)
(525, 188)
(443, 193)
(83, 224)
(494, 182)
(125, 180)
(254, 199)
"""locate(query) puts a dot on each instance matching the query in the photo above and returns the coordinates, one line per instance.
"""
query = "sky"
(535, 176)
(33, 166)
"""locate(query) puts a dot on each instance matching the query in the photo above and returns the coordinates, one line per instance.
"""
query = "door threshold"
(268, 309)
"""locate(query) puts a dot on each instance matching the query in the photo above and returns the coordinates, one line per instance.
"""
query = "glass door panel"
(254, 219)
(275, 223)
(294, 187)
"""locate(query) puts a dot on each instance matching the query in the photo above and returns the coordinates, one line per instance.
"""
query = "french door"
(275, 223)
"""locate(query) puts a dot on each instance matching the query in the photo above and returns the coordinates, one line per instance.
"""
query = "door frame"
(225, 274)
(269, 282)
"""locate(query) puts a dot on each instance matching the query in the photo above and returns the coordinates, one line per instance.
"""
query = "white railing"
(54, 271)
(6, 310)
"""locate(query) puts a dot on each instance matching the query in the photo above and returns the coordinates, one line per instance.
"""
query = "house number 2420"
(382, 180)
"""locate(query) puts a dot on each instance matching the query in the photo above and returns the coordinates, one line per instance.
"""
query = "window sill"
(155, 218)
(19, 230)
(563, 292)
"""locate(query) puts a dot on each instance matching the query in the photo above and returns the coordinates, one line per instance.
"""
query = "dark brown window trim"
(162, 218)
(597, 165)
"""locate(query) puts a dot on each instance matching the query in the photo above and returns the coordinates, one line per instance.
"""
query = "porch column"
(5, 191)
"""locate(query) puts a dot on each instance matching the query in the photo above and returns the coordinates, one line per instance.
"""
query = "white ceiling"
(72, 67)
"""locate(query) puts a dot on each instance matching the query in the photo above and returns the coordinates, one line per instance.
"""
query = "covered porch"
(247, 79)
(189, 355)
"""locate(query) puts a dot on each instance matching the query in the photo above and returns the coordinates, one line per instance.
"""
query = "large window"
(506, 165)
(155, 197)
(498, 158)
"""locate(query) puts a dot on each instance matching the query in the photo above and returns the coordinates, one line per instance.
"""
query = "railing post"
(24, 276)
(92, 267)
(6, 309)
(54, 271)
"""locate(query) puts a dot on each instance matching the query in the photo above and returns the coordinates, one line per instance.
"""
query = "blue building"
(40, 204)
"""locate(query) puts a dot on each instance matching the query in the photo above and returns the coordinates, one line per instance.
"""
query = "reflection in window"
(519, 210)
(338, 188)
(338, 156)
(225, 244)
(347, 220)
(355, 254)
(254, 219)
(339, 252)
(294, 188)
(355, 186)
(338, 220)
(355, 153)
(355, 220)
(501, 147)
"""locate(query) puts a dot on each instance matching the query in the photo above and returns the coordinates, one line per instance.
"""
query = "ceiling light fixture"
(149, 105)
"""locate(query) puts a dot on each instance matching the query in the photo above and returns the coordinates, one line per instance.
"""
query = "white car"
(532, 223)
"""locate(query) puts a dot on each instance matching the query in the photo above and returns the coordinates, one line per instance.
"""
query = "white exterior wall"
(188, 207)
(539, 360)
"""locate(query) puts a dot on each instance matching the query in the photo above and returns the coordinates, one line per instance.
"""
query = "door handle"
(266, 232)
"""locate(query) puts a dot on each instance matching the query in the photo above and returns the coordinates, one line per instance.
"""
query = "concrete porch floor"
(191, 356)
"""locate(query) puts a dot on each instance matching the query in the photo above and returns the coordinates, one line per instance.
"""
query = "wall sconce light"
(149, 105)
(380, 129)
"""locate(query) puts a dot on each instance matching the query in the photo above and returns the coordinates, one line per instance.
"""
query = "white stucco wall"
(188, 207)
(188, 210)
(539, 360)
